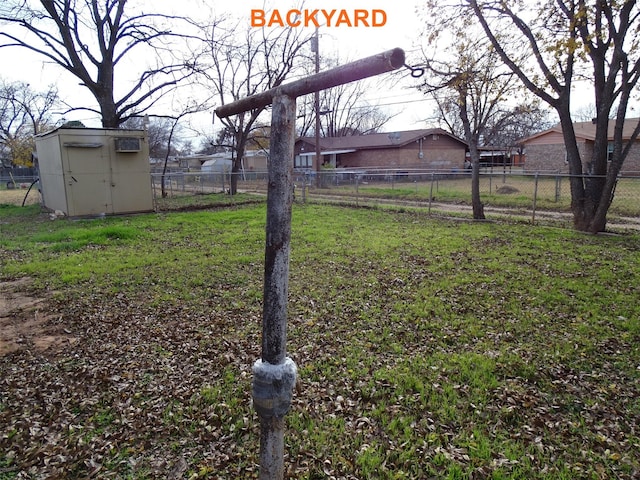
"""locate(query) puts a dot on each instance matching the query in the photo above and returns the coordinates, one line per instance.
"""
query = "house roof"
(376, 140)
(328, 152)
(587, 130)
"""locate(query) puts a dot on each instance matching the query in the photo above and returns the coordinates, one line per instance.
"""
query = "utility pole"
(316, 104)
(274, 375)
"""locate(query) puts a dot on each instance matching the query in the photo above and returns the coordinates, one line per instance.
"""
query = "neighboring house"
(432, 149)
(545, 151)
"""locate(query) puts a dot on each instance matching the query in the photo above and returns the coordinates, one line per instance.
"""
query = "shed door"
(131, 183)
(88, 180)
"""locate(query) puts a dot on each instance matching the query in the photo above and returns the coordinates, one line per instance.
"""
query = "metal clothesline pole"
(274, 374)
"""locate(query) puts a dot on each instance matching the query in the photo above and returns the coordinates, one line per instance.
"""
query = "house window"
(609, 151)
(302, 161)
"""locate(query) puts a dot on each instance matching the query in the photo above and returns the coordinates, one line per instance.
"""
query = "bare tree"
(245, 61)
(586, 113)
(159, 129)
(344, 111)
(469, 82)
(95, 39)
(23, 114)
(162, 131)
(549, 45)
(517, 123)
(506, 130)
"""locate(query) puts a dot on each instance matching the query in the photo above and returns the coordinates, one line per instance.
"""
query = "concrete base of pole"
(273, 387)
(272, 394)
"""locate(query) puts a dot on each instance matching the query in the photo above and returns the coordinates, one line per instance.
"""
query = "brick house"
(545, 151)
(430, 149)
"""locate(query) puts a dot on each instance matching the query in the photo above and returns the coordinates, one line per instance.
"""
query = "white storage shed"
(95, 171)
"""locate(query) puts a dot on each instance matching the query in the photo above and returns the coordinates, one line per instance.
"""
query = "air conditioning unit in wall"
(127, 144)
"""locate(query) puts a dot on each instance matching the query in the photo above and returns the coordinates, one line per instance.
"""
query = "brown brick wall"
(632, 162)
(446, 158)
(439, 152)
(545, 158)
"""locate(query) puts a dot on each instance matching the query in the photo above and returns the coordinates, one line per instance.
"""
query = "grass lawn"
(426, 348)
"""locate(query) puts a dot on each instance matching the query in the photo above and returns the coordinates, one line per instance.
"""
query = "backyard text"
(318, 17)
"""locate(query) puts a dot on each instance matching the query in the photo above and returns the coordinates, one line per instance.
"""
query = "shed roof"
(88, 130)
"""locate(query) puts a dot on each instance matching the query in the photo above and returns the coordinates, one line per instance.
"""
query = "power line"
(405, 102)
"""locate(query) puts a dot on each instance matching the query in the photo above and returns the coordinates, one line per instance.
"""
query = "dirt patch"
(507, 189)
(17, 196)
(24, 323)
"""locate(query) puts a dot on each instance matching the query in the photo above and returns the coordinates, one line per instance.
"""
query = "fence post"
(357, 190)
(433, 175)
(304, 187)
(535, 198)
(558, 180)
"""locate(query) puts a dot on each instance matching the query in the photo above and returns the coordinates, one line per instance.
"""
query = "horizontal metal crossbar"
(363, 68)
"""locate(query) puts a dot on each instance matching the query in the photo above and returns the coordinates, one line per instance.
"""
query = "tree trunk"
(606, 193)
(163, 178)
(586, 189)
(473, 139)
(108, 111)
(102, 89)
(236, 167)
(166, 160)
(478, 206)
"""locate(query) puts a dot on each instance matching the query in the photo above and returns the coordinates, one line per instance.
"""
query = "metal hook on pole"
(416, 72)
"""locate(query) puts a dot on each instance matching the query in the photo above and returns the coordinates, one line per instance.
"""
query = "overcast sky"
(348, 43)
(351, 43)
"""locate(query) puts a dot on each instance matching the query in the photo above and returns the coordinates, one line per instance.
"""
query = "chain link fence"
(508, 193)
(514, 195)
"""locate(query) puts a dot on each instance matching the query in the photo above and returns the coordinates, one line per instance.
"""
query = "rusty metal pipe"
(363, 68)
